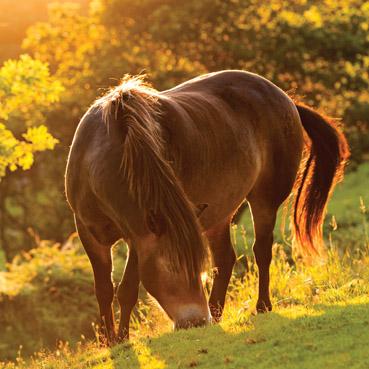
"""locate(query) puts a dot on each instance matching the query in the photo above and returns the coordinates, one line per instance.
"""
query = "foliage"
(19, 154)
(46, 295)
(16, 17)
(318, 49)
(26, 92)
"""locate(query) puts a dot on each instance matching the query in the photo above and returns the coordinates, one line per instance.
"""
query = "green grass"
(319, 336)
(345, 201)
(349, 207)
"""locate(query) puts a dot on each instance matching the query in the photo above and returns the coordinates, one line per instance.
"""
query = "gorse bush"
(27, 91)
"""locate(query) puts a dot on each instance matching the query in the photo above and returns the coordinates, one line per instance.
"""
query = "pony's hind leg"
(99, 252)
(223, 261)
(128, 293)
(264, 218)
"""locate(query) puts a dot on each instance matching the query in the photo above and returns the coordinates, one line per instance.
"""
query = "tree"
(27, 92)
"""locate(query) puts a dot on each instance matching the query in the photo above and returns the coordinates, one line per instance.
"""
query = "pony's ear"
(200, 209)
(155, 223)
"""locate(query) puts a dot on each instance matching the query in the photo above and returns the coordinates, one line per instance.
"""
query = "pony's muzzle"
(192, 316)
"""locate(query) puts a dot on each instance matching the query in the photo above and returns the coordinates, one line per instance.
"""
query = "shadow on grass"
(328, 337)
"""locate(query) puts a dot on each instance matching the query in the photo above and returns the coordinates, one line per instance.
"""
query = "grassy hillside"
(319, 336)
(321, 319)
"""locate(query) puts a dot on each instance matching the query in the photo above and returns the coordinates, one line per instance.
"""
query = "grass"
(321, 319)
(329, 336)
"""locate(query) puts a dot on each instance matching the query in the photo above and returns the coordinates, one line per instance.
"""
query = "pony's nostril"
(184, 324)
(192, 316)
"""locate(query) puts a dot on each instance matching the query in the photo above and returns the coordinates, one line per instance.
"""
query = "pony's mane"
(130, 86)
(150, 178)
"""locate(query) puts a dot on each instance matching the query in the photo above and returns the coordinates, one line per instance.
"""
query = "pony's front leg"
(223, 261)
(100, 258)
(128, 293)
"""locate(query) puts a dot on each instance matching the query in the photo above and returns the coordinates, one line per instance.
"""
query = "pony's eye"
(151, 223)
(155, 223)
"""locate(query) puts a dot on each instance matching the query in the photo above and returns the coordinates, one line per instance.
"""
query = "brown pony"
(166, 171)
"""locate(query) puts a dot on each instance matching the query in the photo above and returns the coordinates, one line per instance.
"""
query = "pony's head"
(165, 230)
(176, 284)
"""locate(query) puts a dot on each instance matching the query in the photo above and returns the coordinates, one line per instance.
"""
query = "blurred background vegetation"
(73, 51)
(56, 58)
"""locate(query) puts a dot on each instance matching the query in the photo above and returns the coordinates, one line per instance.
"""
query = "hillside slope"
(320, 320)
(332, 335)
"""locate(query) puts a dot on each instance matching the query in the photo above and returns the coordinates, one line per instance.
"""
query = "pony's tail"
(323, 168)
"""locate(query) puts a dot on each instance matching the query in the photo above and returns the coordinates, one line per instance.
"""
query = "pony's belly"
(224, 192)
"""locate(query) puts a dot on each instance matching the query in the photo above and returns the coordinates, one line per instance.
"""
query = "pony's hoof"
(123, 337)
(216, 314)
(215, 319)
(263, 307)
(111, 341)
(104, 342)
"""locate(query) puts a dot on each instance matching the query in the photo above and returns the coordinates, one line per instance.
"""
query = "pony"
(166, 171)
